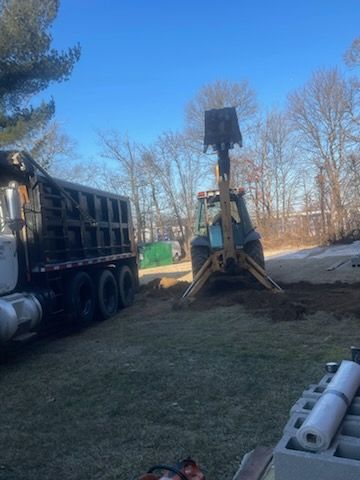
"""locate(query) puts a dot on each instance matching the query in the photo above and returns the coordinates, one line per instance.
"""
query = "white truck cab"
(16, 309)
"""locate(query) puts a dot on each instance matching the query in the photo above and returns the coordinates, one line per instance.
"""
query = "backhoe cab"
(208, 228)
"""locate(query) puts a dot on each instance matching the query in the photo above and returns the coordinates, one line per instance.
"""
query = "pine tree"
(28, 64)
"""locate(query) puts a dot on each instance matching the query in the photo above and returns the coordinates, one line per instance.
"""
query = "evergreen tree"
(28, 64)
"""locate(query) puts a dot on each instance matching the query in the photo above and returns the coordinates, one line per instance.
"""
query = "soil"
(299, 300)
(164, 287)
(296, 302)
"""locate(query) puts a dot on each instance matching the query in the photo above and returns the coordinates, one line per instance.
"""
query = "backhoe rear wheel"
(199, 255)
(255, 250)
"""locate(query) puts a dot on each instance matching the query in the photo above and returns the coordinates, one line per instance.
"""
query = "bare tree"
(90, 173)
(219, 94)
(51, 147)
(156, 194)
(320, 112)
(267, 169)
(352, 54)
(282, 151)
(179, 170)
(127, 154)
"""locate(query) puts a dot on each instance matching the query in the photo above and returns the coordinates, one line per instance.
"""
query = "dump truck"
(67, 252)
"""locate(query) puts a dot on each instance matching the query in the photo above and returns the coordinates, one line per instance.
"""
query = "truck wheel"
(255, 250)
(80, 299)
(199, 255)
(126, 284)
(107, 294)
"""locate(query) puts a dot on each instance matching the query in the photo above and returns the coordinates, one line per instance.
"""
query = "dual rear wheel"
(107, 294)
(100, 295)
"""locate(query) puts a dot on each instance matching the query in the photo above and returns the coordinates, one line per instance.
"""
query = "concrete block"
(326, 379)
(355, 261)
(315, 391)
(305, 405)
(341, 461)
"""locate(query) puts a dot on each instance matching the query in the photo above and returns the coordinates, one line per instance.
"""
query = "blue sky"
(142, 61)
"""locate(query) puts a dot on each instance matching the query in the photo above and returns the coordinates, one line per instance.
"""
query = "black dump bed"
(60, 232)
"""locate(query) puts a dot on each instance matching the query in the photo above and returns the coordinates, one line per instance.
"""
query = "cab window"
(201, 220)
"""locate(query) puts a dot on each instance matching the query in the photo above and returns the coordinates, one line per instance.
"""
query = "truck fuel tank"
(19, 313)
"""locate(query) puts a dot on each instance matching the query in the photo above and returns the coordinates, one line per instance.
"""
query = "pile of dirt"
(165, 287)
(294, 303)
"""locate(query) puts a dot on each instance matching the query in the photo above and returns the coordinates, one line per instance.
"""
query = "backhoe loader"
(225, 241)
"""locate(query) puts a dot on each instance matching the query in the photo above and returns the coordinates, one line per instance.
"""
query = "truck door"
(8, 252)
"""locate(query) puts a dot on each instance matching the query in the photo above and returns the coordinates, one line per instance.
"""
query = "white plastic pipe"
(319, 428)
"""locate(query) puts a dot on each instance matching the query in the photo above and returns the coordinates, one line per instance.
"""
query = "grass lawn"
(154, 385)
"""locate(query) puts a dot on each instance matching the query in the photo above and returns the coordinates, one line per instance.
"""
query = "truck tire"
(255, 250)
(199, 255)
(80, 299)
(107, 294)
(126, 285)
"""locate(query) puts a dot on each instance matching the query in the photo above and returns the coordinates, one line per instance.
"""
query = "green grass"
(155, 385)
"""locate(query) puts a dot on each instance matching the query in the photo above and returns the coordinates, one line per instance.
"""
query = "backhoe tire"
(199, 255)
(255, 250)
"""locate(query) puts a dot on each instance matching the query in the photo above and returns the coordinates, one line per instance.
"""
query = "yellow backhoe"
(225, 240)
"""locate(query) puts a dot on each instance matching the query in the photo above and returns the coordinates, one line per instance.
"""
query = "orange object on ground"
(183, 470)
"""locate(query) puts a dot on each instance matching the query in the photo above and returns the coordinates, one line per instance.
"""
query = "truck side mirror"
(13, 203)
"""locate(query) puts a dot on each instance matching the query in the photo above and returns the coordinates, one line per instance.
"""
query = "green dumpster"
(155, 254)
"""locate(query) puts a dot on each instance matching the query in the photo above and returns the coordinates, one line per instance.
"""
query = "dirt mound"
(296, 301)
(164, 287)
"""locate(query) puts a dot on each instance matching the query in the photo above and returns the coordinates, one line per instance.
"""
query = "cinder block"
(341, 461)
(355, 261)
(326, 378)
(294, 423)
(314, 391)
(304, 406)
